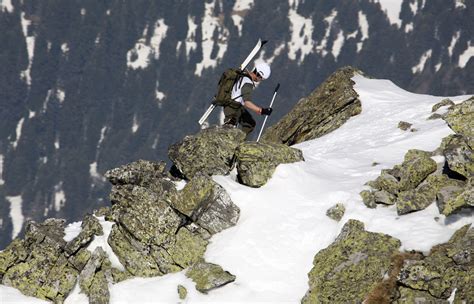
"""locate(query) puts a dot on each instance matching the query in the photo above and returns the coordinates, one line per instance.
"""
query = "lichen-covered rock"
(439, 273)
(423, 195)
(134, 257)
(387, 182)
(416, 166)
(460, 118)
(459, 155)
(144, 214)
(368, 198)
(90, 227)
(182, 292)
(14, 253)
(256, 162)
(210, 152)
(384, 197)
(447, 195)
(442, 103)
(207, 204)
(336, 212)
(463, 199)
(37, 266)
(324, 110)
(209, 276)
(350, 267)
(408, 295)
(93, 281)
(188, 249)
(143, 173)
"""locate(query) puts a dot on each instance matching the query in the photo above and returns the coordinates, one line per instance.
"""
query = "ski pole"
(271, 104)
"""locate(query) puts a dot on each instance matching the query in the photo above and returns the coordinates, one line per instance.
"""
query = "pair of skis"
(243, 66)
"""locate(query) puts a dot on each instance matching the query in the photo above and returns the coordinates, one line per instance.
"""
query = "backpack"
(225, 85)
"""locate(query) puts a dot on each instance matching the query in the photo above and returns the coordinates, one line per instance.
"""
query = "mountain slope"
(284, 223)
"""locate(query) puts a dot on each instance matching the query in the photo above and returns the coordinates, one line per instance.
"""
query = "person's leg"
(232, 116)
(247, 122)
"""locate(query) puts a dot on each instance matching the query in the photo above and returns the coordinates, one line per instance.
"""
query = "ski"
(243, 66)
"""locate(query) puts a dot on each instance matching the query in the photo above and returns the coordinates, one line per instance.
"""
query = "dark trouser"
(239, 115)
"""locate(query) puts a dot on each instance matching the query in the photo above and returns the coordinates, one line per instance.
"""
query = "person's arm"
(250, 105)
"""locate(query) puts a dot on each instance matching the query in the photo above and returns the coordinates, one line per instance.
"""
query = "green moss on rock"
(209, 276)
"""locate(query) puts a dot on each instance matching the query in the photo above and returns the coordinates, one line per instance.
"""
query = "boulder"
(336, 212)
(324, 110)
(459, 155)
(209, 276)
(143, 173)
(442, 103)
(182, 292)
(457, 200)
(447, 267)
(256, 162)
(404, 126)
(368, 198)
(460, 118)
(447, 195)
(37, 266)
(348, 269)
(416, 166)
(93, 281)
(423, 195)
(210, 152)
(384, 197)
(207, 204)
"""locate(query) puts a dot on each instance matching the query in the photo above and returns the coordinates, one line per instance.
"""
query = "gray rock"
(459, 155)
(384, 197)
(324, 110)
(256, 162)
(209, 276)
(460, 118)
(442, 103)
(207, 204)
(446, 195)
(210, 152)
(404, 126)
(336, 212)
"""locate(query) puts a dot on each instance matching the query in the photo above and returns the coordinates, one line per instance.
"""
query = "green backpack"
(225, 85)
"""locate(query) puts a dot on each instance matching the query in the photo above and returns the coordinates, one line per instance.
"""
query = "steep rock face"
(211, 151)
(256, 162)
(323, 111)
(349, 268)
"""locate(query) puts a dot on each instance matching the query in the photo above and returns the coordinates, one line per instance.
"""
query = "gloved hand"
(266, 111)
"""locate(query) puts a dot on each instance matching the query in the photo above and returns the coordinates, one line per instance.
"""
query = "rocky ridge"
(173, 233)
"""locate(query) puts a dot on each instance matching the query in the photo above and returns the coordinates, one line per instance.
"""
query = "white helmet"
(263, 69)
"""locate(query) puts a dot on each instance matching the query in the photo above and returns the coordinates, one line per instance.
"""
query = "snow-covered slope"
(284, 224)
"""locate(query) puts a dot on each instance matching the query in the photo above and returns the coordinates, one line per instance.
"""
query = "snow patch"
(191, 44)
(364, 29)
(460, 4)
(240, 9)
(72, 230)
(301, 29)
(6, 6)
(30, 47)
(64, 48)
(454, 40)
(59, 197)
(392, 9)
(414, 7)
(209, 25)
(102, 136)
(421, 64)
(19, 127)
(321, 48)
(94, 173)
(16, 214)
(101, 241)
(337, 44)
(31, 114)
(83, 11)
(466, 55)
(409, 27)
(60, 95)
(56, 143)
(139, 56)
(135, 125)
(159, 96)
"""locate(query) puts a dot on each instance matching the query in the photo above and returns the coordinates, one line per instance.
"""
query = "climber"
(236, 111)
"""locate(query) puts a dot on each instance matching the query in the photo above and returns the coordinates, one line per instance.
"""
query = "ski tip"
(277, 87)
